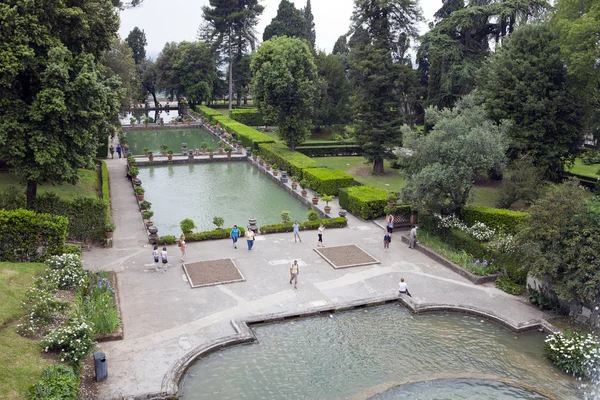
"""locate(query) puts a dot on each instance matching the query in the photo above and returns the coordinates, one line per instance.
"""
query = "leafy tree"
(284, 76)
(119, 62)
(341, 46)
(379, 65)
(526, 82)
(333, 102)
(137, 41)
(524, 182)
(462, 144)
(289, 21)
(561, 242)
(57, 103)
(309, 21)
(148, 80)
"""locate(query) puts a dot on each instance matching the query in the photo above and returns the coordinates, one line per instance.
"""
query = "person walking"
(320, 234)
(294, 271)
(403, 287)
(297, 232)
(412, 237)
(387, 238)
(390, 224)
(112, 151)
(234, 234)
(163, 256)
(119, 150)
(155, 256)
(182, 246)
(250, 238)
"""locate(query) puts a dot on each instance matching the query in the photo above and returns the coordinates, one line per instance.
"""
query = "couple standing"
(235, 233)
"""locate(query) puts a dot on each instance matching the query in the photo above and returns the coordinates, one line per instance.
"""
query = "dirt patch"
(88, 390)
(213, 272)
(346, 256)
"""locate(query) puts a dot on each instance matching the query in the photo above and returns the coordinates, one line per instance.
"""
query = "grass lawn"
(357, 167)
(586, 170)
(88, 185)
(21, 359)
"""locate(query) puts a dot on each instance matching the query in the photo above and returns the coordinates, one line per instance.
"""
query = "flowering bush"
(503, 242)
(481, 231)
(574, 353)
(66, 271)
(40, 307)
(484, 267)
(73, 340)
(100, 308)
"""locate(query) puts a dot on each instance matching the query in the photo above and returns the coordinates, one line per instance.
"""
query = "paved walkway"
(165, 320)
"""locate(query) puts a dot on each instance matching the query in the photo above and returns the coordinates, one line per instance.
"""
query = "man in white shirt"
(412, 237)
(403, 287)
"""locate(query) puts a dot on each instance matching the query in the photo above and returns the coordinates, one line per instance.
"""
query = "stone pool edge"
(245, 335)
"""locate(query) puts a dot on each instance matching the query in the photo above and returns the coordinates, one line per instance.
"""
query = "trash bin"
(100, 366)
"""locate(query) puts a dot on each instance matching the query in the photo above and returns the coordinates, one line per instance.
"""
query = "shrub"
(134, 171)
(250, 137)
(145, 205)
(147, 214)
(365, 201)
(218, 221)
(208, 113)
(507, 285)
(105, 187)
(247, 116)
(168, 239)
(74, 340)
(29, 236)
(187, 225)
(99, 306)
(330, 151)
(12, 198)
(406, 210)
(326, 181)
(67, 271)
(57, 382)
(139, 190)
(285, 216)
(40, 306)
(590, 157)
(574, 353)
(206, 235)
(278, 228)
(496, 218)
(291, 161)
(312, 215)
(73, 249)
(307, 225)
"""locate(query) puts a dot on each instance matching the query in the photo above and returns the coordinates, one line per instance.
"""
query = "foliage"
(499, 219)
(136, 40)
(66, 271)
(333, 104)
(40, 307)
(105, 187)
(139, 190)
(330, 151)
(289, 22)
(12, 198)
(73, 341)
(405, 210)
(307, 225)
(293, 162)
(327, 198)
(312, 215)
(525, 182)
(99, 306)
(145, 205)
(326, 181)
(250, 137)
(590, 157)
(208, 113)
(28, 236)
(285, 217)
(218, 221)
(462, 143)
(574, 352)
(73, 249)
(201, 236)
(365, 201)
(561, 242)
(247, 116)
(507, 285)
(119, 62)
(526, 82)
(187, 226)
(540, 300)
(284, 75)
(57, 382)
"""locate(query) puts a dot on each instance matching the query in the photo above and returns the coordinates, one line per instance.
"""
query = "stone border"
(476, 279)
(119, 334)
(245, 335)
(216, 283)
(204, 159)
(376, 261)
(385, 387)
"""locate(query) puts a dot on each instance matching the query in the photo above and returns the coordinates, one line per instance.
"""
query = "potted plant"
(304, 185)
(315, 199)
(170, 154)
(254, 157)
(203, 146)
(275, 170)
(327, 198)
(147, 214)
(130, 160)
(164, 148)
(187, 225)
(109, 228)
(134, 171)
(221, 145)
(211, 151)
(294, 185)
(218, 221)
(132, 121)
(392, 199)
(139, 191)
(285, 216)
(146, 151)
(145, 205)
(268, 166)
(146, 120)
(151, 155)
(261, 162)
(228, 150)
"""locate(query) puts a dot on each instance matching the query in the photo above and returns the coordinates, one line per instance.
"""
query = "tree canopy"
(137, 41)
(289, 22)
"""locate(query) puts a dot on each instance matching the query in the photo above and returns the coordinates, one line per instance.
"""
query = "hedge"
(339, 222)
(250, 137)
(208, 113)
(27, 236)
(319, 143)
(496, 218)
(326, 181)
(365, 201)
(330, 151)
(247, 116)
(87, 216)
(291, 161)
(406, 210)
(201, 236)
(105, 188)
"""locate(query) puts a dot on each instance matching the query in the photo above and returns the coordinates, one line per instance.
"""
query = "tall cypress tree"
(309, 20)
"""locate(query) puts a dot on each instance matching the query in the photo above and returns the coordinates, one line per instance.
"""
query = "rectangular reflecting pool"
(235, 191)
(153, 139)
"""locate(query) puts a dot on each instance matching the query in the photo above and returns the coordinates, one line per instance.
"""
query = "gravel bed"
(346, 256)
(213, 272)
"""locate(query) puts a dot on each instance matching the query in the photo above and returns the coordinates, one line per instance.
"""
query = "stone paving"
(165, 320)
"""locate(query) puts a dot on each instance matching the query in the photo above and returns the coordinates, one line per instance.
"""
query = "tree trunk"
(31, 193)
(230, 73)
(378, 166)
(156, 103)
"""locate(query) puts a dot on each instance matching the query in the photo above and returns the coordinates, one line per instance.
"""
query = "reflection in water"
(172, 138)
(151, 172)
(139, 113)
(171, 171)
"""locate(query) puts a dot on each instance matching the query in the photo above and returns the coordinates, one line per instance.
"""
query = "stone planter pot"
(170, 157)
(304, 192)
(294, 186)
(254, 158)
(140, 197)
(164, 152)
(149, 223)
(342, 212)
(327, 209)
(268, 167)
(108, 235)
(220, 150)
(190, 156)
(146, 153)
(275, 172)
(261, 162)
(151, 157)
(315, 200)
(203, 150)
(228, 154)
(211, 154)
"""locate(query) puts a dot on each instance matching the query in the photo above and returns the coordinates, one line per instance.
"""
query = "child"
(163, 255)
(182, 246)
(320, 233)
(387, 238)
(155, 255)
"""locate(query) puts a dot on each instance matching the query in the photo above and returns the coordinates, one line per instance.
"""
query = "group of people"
(389, 229)
(112, 151)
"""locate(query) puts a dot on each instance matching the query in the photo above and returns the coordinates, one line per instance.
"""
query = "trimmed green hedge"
(247, 116)
(250, 137)
(320, 143)
(287, 160)
(365, 201)
(330, 151)
(406, 210)
(208, 113)
(339, 222)
(327, 181)
(26, 236)
(496, 218)
(201, 236)
(105, 188)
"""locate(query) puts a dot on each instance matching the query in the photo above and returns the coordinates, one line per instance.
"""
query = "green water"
(348, 354)
(235, 191)
(173, 138)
